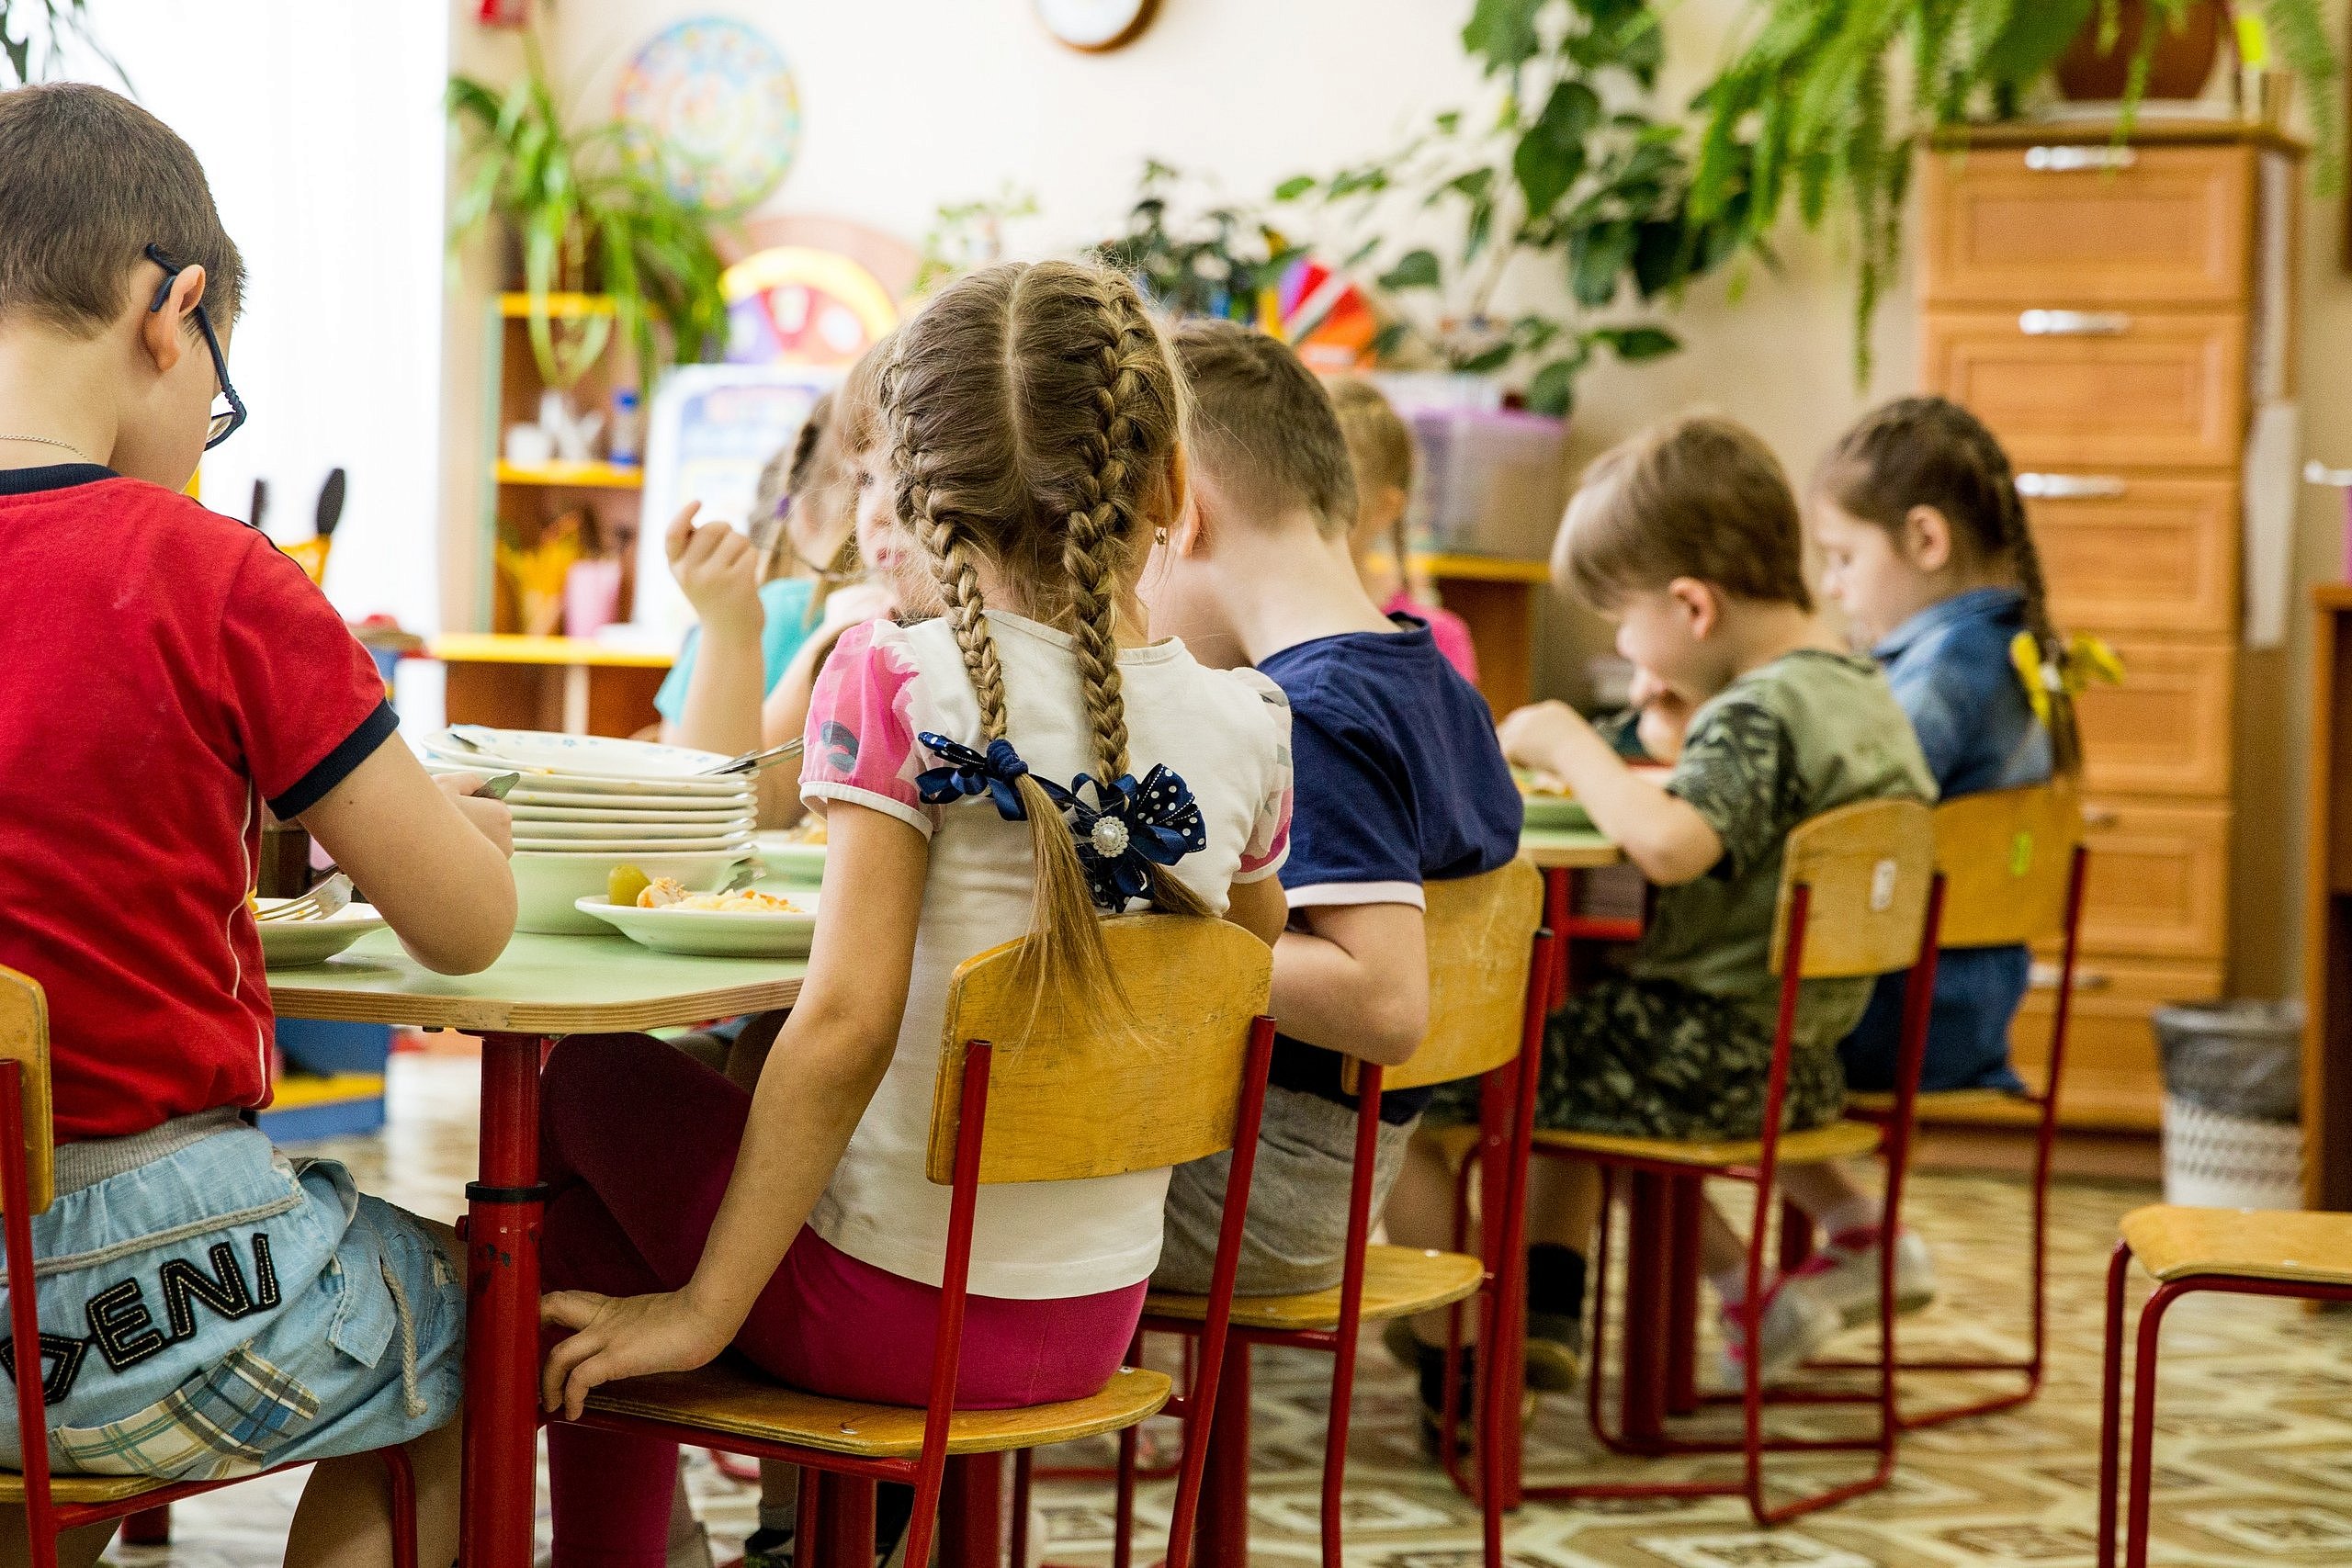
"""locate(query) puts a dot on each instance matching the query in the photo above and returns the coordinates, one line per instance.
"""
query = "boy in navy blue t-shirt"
(1399, 780)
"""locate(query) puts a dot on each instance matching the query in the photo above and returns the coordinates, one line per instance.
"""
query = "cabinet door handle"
(2072, 323)
(2072, 159)
(2070, 487)
(2043, 976)
(2100, 816)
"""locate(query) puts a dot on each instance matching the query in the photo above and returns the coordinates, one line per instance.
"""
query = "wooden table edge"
(477, 1016)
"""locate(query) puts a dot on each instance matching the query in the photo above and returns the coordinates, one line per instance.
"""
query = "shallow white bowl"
(289, 944)
(620, 833)
(714, 933)
(548, 887)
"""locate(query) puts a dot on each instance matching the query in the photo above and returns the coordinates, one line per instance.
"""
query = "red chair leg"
(845, 1520)
(400, 1484)
(1023, 1464)
(970, 1507)
(2143, 1423)
(1684, 1203)
(1123, 1546)
(1796, 1236)
(2110, 1416)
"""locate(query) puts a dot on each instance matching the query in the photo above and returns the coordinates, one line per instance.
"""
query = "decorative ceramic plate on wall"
(721, 97)
(1096, 24)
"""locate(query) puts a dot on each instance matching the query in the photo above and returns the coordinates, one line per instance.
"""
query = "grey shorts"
(1296, 1233)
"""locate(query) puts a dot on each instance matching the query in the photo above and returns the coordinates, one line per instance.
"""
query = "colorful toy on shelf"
(537, 573)
(722, 101)
(1322, 315)
(796, 305)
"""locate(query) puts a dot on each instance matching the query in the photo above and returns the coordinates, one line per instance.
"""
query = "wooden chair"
(1488, 965)
(1061, 1099)
(54, 1504)
(2013, 863)
(1858, 896)
(2240, 1252)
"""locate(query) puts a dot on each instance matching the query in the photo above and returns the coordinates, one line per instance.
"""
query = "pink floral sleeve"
(860, 741)
(1269, 845)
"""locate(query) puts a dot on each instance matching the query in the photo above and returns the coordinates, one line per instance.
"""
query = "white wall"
(319, 126)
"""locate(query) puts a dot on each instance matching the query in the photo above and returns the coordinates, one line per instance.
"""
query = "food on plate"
(665, 892)
(810, 829)
(625, 884)
(1533, 781)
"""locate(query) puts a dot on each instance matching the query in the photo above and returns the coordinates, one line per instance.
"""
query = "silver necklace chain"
(50, 441)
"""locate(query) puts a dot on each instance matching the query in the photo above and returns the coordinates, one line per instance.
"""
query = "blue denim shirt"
(1950, 670)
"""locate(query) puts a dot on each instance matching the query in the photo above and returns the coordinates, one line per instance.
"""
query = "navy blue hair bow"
(966, 772)
(1133, 827)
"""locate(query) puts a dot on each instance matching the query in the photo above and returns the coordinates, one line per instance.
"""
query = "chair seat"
(2248, 1244)
(1942, 1101)
(726, 1403)
(1838, 1140)
(85, 1488)
(1398, 1282)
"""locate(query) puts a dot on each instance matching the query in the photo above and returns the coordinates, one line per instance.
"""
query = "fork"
(323, 902)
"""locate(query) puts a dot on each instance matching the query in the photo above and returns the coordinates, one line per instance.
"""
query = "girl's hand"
(1664, 716)
(620, 1337)
(1534, 736)
(718, 571)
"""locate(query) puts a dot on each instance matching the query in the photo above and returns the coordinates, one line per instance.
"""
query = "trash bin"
(2232, 1135)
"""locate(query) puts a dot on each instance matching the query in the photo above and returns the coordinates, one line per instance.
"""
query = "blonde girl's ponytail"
(1035, 415)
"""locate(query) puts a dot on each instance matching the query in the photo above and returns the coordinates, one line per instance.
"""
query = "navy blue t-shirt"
(1399, 780)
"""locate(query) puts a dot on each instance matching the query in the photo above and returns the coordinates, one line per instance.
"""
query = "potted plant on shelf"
(1215, 261)
(1557, 170)
(590, 211)
(1825, 105)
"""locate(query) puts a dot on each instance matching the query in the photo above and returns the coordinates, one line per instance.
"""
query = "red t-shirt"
(163, 671)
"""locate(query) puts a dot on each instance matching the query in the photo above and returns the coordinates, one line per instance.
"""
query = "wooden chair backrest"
(2007, 857)
(24, 1039)
(1481, 936)
(1070, 1098)
(1869, 866)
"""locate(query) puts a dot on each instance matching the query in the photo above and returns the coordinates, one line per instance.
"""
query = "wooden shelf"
(519, 305)
(493, 648)
(592, 476)
(2147, 131)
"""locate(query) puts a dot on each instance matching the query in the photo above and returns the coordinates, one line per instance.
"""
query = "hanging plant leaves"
(1550, 156)
(1414, 269)
(1502, 33)
(1635, 343)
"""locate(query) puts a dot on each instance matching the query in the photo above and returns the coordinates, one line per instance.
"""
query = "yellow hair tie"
(2084, 659)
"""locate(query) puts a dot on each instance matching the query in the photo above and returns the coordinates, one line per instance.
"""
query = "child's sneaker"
(1843, 1275)
(1795, 1327)
(1554, 1352)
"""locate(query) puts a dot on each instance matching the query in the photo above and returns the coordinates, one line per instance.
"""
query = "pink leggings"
(637, 1143)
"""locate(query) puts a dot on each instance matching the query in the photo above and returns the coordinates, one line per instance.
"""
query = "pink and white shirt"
(1226, 732)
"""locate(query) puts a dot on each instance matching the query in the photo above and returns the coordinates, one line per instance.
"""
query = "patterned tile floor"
(2255, 1448)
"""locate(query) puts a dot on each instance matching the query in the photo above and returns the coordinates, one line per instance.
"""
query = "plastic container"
(624, 446)
(1492, 481)
(2233, 1102)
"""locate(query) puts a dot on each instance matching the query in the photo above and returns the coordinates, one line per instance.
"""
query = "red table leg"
(1223, 1538)
(502, 1213)
(150, 1528)
(1555, 915)
(845, 1520)
(1648, 1247)
(1506, 1329)
(1682, 1298)
(971, 1511)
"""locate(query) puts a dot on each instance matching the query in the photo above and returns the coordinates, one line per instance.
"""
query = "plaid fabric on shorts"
(225, 1420)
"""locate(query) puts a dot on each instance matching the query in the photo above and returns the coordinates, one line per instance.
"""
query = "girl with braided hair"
(1924, 547)
(1021, 764)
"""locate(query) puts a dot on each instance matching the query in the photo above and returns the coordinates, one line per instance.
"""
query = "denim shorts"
(211, 1308)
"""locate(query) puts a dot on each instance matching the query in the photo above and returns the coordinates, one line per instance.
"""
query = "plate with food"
(747, 923)
(291, 944)
(1549, 802)
(796, 854)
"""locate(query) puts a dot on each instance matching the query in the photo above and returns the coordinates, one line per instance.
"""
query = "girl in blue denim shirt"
(1925, 549)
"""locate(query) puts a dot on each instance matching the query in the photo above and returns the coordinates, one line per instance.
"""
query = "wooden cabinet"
(2097, 306)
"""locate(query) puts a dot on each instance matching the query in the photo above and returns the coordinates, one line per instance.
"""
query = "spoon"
(753, 761)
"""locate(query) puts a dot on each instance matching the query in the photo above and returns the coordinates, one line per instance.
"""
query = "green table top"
(541, 984)
(1568, 848)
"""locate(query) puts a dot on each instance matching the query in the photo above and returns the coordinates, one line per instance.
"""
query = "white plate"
(600, 755)
(609, 831)
(717, 933)
(540, 783)
(289, 944)
(724, 812)
(622, 849)
(547, 886)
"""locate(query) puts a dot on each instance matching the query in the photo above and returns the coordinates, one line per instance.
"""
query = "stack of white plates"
(587, 803)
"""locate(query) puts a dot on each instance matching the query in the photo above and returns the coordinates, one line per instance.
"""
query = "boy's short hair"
(88, 180)
(1380, 445)
(1262, 427)
(1698, 497)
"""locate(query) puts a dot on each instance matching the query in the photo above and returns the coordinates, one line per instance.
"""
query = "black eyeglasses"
(223, 426)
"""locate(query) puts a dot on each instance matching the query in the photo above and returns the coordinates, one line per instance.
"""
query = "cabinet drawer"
(2134, 554)
(2113, 1074)
(2067, 387)
(2159, 880)
(2166, 729)
(2092, 224)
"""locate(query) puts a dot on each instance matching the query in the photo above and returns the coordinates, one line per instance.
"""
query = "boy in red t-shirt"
(209, 1306)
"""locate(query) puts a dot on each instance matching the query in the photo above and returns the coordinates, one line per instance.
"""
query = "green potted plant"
(1212, 260)
(1557, 170)
(592, 211)
(1824, 105)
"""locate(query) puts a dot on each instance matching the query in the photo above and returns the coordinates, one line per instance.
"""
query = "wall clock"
(1096, 26)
